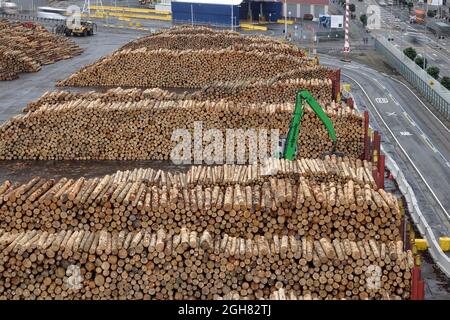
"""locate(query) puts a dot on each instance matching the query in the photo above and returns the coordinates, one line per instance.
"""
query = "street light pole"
(392, 14)
(231, 17)
(289, 16)
(285, 19)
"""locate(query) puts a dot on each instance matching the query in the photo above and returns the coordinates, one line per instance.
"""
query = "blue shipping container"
(205, 14)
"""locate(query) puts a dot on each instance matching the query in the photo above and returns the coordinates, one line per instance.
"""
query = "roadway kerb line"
(401, 147)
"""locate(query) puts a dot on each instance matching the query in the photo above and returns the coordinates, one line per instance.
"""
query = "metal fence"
(432, 90)
(24, 17)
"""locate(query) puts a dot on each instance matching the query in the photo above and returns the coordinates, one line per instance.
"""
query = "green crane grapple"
(289, 145)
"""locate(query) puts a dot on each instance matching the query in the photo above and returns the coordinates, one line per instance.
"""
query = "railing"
(431, 89)
(439, 257)
(419, 219)
(16, 17)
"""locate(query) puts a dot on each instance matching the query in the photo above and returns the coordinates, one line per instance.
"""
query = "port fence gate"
(432, 90)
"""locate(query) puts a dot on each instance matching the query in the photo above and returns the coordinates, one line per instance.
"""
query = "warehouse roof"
(223, 2)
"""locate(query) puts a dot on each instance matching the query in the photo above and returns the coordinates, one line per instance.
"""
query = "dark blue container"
(205, 14)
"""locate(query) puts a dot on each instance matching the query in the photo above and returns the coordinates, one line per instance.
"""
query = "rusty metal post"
(366, 136)
(380, 164)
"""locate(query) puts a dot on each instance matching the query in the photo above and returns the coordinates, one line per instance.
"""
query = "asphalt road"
(409, 126)
(394, 22)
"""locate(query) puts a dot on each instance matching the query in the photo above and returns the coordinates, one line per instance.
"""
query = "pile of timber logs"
(277, 206)
(13, 62)
(219, 40)
(165, 68)
(111, 95)
(95, 129)
(281, 294)
(187, 29)
(332, 169)
(24, 49)
(189, 265)
(269, 91)
(276, 90)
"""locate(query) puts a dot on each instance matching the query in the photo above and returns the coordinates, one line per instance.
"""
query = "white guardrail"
(432, 90)
(439, 257)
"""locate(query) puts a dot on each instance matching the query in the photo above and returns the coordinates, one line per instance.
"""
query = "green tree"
(445, 81)
(352, 7)
(420, 61)
(410, 5)
(433, 71)
(363, 19)
(410, 53)
(431, 13)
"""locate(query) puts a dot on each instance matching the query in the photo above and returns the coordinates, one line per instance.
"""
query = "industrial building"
(224, 12)
(298, 8)
(227, 12)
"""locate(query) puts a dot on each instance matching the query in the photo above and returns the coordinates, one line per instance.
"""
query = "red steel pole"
(415, 283)
(381, 160)
(366, 154)
(375, 147)
(421, 290)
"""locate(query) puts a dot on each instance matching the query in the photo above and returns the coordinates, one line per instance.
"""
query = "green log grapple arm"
(292, 137)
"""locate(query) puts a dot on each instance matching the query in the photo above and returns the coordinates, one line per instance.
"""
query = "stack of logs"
(165, 68)
(24, 49)
(78, 264)
(217, 41)
(276, 90)
(281, 294)
(117, 128)
(267, 207)
(13, 62)
(269, 91)
(331, 169)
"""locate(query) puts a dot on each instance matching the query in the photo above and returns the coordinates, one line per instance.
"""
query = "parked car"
(51, 13)
(308, 16)
(8, 8)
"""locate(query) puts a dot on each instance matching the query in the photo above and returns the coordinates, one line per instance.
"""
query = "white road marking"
(429, 143)
(409, 118)
(401, 147)
(405, 133)
(382, 86)
(426, 107)
(390, 114)
(381, 100)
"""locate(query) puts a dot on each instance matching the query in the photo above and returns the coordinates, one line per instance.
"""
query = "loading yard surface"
(16, 94)
(30, 86)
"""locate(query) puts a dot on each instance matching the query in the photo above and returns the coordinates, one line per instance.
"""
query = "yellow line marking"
(281, 21)
(429, 143)
(253, 27)
(409, 118)
(126, 9)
